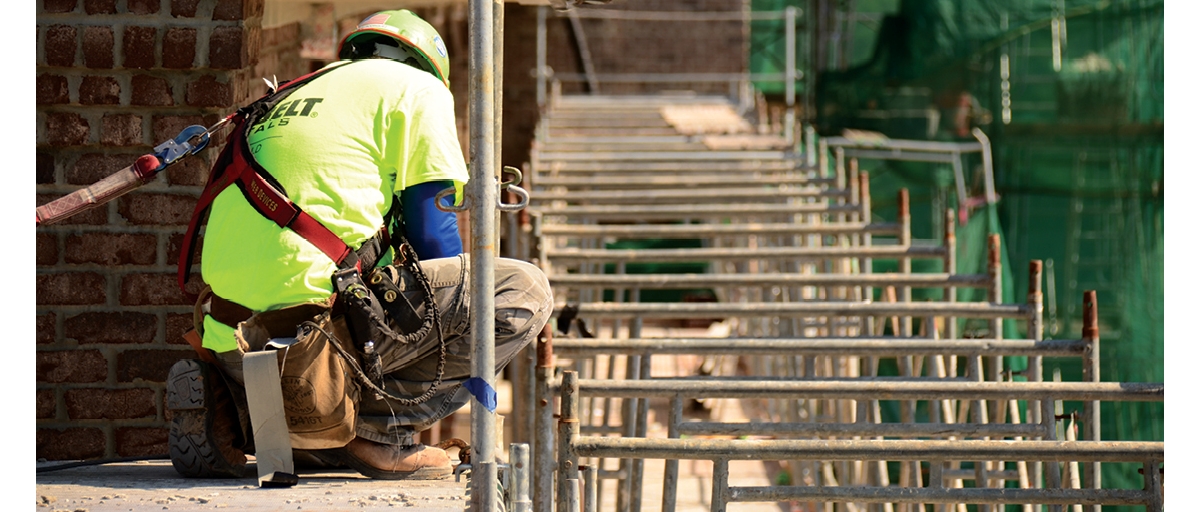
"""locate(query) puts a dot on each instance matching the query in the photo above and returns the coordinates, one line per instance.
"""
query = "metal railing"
(574, 447)
(789, 242)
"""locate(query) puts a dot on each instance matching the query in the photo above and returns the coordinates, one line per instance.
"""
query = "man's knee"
(524, 301)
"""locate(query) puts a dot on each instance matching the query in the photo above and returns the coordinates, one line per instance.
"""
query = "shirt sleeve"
(432, 233)
(433, 149)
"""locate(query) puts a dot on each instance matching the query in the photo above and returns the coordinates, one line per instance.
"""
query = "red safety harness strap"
(236, 165)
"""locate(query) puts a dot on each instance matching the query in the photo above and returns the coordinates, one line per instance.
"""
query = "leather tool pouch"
(319, 394)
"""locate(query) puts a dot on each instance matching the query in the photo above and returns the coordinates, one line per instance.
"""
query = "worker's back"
(340, 146)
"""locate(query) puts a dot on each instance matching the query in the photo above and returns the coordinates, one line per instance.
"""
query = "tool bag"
(327, 351)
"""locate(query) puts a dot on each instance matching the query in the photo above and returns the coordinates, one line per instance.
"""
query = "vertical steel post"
(789, 80)
(572, 498)
(518, 459)
(591, 495)
(1154, 484)
(482, 192)
(671, 466)
(720, 485)
(498, 105)
(568, 430)
(541, 59)
(543, 438)
(1091, 373)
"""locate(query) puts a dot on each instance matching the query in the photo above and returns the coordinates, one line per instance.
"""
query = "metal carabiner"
(172, 150)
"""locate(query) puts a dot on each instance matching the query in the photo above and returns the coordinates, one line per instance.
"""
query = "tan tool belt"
(319, 397)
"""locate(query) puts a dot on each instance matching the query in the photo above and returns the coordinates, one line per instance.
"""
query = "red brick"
(59, 5)
(100, 6)
(92, 217)
(142, 6)
(139, 47)
(155, 290)
(151, 91)
(52, 90)
(121, 130)
(168, 127)
(184, 8)
(61, 45)
(111, 327)
(99, 90)
(80, 366)
(70, 443)
(46, 406)
(227, 48)
(70, 288)
(156, 209)
(207, 91)
(66, 129)
(110, 248)
(93, 167)
(175, 246)
(109, 404)
(140, 441)
(178, 324)
(149, 365)
(98, 45)
(47, 249)
(231, 10)
(179, 48)
(191, 171)
(45, 168)
(45, 328)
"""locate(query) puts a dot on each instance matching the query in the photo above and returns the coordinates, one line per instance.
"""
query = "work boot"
(204, 436)
(390, 462)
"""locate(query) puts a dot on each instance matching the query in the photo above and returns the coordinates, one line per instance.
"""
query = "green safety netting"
(1070, 93)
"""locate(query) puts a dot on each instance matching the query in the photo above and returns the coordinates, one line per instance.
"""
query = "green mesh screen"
(1070, 93)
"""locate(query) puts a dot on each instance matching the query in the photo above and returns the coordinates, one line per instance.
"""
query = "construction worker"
(376, 131)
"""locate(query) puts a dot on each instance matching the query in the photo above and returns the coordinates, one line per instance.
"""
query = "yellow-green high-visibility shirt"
(341, 146)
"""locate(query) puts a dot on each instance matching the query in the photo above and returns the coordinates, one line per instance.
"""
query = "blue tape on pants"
(483, 392)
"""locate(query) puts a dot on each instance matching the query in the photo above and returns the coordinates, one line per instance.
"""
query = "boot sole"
(193, 452)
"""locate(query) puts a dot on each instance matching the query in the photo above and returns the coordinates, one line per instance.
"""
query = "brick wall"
(115, 78)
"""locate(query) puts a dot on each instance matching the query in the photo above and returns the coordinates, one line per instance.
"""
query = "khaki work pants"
(523, 305)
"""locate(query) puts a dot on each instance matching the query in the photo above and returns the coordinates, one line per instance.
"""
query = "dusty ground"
(154, 485)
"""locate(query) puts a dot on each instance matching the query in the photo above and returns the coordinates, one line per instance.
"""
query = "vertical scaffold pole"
(482, 194)
(789, 80)
(541, 57)
(1091, 373)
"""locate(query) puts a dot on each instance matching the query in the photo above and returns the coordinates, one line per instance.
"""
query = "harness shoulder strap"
(236, 166)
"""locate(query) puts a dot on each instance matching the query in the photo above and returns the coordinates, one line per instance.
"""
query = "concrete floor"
(154, 485)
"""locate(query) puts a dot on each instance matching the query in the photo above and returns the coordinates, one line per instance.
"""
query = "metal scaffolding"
(638, 194)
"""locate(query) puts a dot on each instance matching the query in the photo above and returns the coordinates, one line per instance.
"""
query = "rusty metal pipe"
(880, 347)
(943, 496)
(715, 195)
(796, 309)
(881, 389)
(568, 430)
(1091, 373)
(764, 253)
(858, 429)
(842, 449)
(705, 230)
(543, 411)
(692, 211)
(657, 281)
